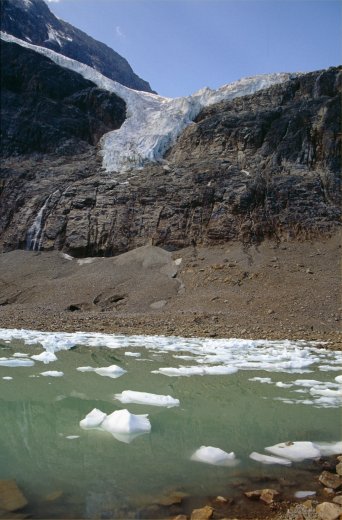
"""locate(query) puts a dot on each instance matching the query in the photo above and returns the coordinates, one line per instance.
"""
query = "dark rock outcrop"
(266, 165)
(46, 108)
(32, 21)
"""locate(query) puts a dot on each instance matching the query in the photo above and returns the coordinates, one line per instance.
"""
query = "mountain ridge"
(32, 21)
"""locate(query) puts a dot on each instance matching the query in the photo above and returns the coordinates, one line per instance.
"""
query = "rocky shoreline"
(257, 498)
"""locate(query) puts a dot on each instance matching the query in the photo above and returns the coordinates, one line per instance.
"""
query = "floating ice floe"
(93, 419)
(279, 384)
(295, 451)
(16, 362)
(45, 357)
(52, 373)
(304, 494)
(112, 371)
(195, 371)
(329, 448)
(133, 354)
(212, 355)
(20, 355)
(122, 424)
(267, 380)
(269, 459)
(72, 437)
(130, 396)
(7, 378)
(215, 456)
(338, 379)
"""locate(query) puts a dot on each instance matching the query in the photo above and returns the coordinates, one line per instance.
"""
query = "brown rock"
(266, 495)
(339, 468)
(330, 480)
(204, 513)
(221, 499)
(338, 500)
(180, 517)
(328, 511)
(11, 498)
(175, 497)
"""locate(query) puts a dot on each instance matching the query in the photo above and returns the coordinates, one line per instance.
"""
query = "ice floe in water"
(267, 380)
(132, 354)
(7, 378)
(304, 494)
(195, 371)
(329, 448)
(269, 459)
(122, 424)
(52, 373)
(215, 456)
(338, 379)
(45, 357)
(112, 371)
(130, 396)
(209, 356)
(20, 354)
(295, 451)
(16, 362)
(93, 419)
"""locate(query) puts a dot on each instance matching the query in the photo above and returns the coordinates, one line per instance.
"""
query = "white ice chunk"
(85, 369)
(129, 396)
(112, 371)
(94, 419)
(295, 451)
(304, 494)
(7, 378)
(267, 380)
(20, 354)
(196, 371)
(125, 426)
(17, 362)
(279, 384)
(327, 392)
(329, 448)
(72, 437)
(338, 379)
(133, 354)
(214, 456)
(52, 373)
(269, 459)
(46, 357)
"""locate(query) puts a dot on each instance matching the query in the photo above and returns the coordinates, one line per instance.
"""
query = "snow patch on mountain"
(153, 122)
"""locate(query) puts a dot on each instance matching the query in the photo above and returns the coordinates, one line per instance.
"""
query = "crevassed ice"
(153, 122)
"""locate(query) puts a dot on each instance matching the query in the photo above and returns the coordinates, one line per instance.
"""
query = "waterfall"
(35, 233)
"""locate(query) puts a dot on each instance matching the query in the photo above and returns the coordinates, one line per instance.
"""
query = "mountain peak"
(32, 21)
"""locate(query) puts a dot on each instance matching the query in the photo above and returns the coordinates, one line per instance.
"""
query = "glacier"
(153, 122)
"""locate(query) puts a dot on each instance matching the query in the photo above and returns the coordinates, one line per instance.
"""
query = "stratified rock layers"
(265, 165)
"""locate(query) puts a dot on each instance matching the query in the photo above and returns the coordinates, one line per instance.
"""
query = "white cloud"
(119, 32)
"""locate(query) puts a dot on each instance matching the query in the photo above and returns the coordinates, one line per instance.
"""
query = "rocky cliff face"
(32, 21)
(46, 108)
(265, 165)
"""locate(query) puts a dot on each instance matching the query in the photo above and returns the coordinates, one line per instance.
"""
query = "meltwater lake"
(243, 397)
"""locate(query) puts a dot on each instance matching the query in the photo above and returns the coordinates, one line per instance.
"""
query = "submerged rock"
(11, 498)
(202, 514)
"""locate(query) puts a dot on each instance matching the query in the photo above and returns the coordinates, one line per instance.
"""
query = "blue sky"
(180, 46)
